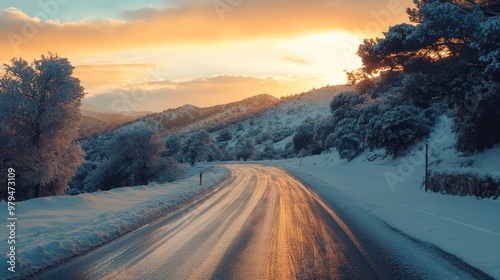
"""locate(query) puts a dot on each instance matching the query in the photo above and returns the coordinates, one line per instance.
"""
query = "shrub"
(397, 128)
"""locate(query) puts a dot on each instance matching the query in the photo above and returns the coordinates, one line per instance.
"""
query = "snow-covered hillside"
(188, 117)
(276, 125)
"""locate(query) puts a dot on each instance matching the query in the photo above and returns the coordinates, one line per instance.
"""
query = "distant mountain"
(95, 121)
(189, 118)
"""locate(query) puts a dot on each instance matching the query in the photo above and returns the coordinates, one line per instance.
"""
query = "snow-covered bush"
(346, 139)
(344, 100)
(78, 181)
(366, 112)
(349, 145)
(133, 157)
(397, 128)
(246, 150)
(304, 136)
(224, 135)
(269, 152)
(263, 137)
(322, 129)
(281, 133)
(344, 106)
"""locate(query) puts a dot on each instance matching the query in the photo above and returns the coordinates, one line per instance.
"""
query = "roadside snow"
(392, 190)
(53, 229)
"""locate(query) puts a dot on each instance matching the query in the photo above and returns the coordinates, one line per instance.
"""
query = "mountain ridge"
(188, 117)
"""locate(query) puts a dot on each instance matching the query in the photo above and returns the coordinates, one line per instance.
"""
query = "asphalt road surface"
(261, 223)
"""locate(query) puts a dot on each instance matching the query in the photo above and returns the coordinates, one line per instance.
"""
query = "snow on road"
(53, 229)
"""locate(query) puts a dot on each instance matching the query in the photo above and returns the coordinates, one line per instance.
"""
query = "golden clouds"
(205, 38)
(194, 23)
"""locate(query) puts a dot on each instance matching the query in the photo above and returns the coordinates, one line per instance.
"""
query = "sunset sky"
(152, 55)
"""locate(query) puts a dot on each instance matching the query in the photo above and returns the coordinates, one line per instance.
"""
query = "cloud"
(202, 92)
(194, 22)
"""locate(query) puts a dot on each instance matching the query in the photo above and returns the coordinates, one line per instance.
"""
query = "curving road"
(261, 223)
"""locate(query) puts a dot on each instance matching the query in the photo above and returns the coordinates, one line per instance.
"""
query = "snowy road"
(260, 224)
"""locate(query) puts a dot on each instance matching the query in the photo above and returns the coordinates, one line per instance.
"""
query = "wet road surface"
(261, 223)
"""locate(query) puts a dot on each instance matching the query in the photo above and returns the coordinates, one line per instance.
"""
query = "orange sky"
(202, 52)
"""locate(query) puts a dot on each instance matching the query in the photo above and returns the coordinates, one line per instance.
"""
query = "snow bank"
(53, 229)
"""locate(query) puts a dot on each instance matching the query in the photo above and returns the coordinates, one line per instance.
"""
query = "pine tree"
(450, 53)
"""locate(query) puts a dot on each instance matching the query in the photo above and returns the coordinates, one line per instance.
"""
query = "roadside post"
(201, 176)
(426, 165)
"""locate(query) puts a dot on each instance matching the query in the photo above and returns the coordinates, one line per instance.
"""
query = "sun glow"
(156, 47)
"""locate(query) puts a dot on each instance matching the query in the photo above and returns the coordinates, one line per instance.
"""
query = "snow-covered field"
(392, 190)
(53, 229)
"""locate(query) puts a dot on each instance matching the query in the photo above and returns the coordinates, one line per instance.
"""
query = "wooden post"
(201, 176)
(426, 165)
(300, 163)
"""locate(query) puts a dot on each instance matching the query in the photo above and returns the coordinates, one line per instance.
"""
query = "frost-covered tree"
(224, 135)
(214, 153)
(174, 145)
(304, 136)
(226, 154)
(269, 152)
(39, 118)
(132, 157)
(195, 146)
(246, 150)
